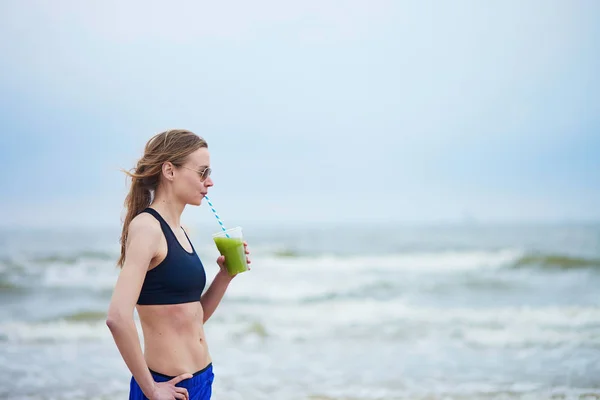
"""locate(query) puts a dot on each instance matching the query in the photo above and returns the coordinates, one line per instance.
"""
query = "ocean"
(332, 312)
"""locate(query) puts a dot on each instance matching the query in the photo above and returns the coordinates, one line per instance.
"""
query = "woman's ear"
(168, 170)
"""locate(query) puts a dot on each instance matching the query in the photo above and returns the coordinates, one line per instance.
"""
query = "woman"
(163, 277)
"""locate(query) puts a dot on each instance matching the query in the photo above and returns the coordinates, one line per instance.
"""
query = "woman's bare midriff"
(174, 341)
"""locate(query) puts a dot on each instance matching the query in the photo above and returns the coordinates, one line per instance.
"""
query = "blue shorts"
(199, 386)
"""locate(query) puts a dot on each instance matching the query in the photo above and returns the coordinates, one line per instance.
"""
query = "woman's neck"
(169, 209)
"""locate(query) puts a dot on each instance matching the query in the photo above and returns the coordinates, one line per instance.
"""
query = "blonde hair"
(173, 145)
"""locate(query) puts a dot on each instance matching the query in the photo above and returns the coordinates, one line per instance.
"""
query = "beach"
(338, 312)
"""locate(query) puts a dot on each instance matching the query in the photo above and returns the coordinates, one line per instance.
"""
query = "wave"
(556, 261)
(79, 325)
(97, 273)
(313, 276)
(387, 290)
(442, 260)
(63, 329)
(420, 261)
(287, 253)
(26, 262)
(9, 264)
(383, 290)
(54, 331)
(506, 327)
(73, 258)
(85, 271)
(9, 287)
(82, 316)
(561, 328)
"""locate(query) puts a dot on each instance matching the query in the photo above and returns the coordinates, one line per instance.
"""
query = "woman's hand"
(168, 390)
(221, 262)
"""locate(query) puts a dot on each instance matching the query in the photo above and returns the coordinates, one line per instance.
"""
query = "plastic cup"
(232, 248)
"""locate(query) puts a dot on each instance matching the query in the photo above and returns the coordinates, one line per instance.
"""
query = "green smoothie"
(234, 252)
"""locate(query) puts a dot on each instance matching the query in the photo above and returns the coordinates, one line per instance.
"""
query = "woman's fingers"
(179, 378)
(183, 391)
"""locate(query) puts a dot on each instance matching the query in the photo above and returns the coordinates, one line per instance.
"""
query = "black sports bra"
(179, 278)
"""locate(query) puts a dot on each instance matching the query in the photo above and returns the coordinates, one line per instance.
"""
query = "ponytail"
(137, 200)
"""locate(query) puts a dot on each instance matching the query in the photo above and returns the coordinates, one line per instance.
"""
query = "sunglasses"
(205, 173)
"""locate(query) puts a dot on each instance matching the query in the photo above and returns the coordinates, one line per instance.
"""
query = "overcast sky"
(404, 111)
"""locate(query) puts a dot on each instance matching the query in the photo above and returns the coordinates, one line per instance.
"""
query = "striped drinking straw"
(216, 215)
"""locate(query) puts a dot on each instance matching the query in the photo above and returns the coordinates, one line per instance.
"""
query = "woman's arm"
(143, 240)
(213, 295)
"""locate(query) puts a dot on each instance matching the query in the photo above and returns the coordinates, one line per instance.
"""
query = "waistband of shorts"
(195, 374)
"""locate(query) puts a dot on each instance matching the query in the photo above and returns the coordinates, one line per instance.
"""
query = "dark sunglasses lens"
(205, 173)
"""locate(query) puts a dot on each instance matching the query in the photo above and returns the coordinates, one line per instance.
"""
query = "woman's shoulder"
(144, 225)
